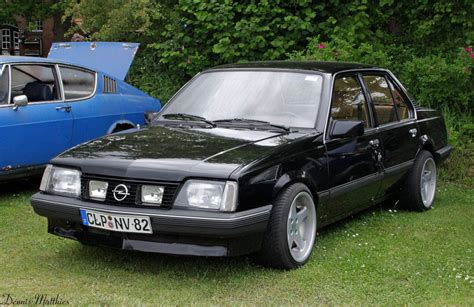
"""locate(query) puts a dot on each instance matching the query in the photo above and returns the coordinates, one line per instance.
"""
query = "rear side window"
(77, 83)
(400, 102)
(382, 99)
(3, 85)
(348, 100)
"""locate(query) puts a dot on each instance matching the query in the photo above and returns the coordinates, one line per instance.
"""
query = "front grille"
(134, 187)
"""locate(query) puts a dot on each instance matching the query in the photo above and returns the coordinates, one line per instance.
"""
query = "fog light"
(98, 189)
(152, 194)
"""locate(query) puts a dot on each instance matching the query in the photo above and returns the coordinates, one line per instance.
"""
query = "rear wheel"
(291, 232)
(420, 187)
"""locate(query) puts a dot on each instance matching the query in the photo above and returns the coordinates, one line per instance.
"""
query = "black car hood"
(172, 154)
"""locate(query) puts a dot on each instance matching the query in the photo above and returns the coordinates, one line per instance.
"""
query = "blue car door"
(94, 112)
(34, 133)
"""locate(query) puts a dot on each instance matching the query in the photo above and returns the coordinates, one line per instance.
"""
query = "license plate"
(114, 222)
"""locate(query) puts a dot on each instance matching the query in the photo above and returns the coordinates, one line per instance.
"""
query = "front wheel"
(291, 232)
(420, 187)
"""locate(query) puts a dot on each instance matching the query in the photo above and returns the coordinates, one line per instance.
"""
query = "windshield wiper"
(185, 116)
(250, 121)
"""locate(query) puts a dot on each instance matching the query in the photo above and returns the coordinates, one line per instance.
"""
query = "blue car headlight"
(206, 194)
(61, 181)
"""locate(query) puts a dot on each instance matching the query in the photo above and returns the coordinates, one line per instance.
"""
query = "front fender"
(293, 176)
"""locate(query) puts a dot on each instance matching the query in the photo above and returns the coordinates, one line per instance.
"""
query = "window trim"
(411, 109)
(10, 105)
(59, 65)
(6, 68)
(376, 120)
(38, 64)
(362, 70)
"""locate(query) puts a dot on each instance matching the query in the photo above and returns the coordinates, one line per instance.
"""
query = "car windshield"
(280, 98)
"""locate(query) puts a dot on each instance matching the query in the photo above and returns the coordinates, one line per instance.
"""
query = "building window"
(16, 40)
(6, 43)
(36, 26)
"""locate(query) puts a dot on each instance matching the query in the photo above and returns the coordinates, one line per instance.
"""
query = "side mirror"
(346, 128)
(20, 101)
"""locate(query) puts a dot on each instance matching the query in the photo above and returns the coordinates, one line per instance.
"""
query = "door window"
(348, 101)
(3, 85)
(77, 83)
(382, 99)
(37, 82)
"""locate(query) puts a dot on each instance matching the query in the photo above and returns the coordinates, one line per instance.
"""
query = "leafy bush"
(148, 75)
(206, 33)
(342, 51)
(440, 81)
(460, 165)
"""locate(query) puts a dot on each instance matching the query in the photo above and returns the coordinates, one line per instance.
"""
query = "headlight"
(206, 194)
(61, 181)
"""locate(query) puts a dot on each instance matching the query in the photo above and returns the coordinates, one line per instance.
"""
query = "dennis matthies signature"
(37, 299)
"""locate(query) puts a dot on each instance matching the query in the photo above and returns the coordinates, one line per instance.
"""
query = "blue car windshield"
(282, 98)
(3, 85)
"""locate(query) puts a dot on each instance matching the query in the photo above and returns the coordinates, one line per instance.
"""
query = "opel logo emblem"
(120, 192)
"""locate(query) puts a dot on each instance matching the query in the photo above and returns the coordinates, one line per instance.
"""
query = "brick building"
(32, 38)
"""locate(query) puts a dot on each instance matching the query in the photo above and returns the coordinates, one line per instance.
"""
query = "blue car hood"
(111, 58)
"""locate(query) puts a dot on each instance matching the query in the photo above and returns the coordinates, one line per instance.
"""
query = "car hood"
(173, 154)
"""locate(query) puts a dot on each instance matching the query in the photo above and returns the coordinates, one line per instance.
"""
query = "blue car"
(48, 105)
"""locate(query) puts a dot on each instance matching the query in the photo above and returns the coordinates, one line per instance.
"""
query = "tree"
(31, 9)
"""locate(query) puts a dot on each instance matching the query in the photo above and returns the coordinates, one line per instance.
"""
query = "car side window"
(348, 100)
(3, 85)
(37, 82)
(381, 98)
(400, 102)
(77, 83)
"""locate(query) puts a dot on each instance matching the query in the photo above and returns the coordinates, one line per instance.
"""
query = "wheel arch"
(120, 126)
(296, 176)
(426, 143)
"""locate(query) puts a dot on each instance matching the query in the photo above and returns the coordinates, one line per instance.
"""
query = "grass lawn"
(381, 257)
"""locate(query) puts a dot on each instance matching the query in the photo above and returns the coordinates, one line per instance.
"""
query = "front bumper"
(175, 231)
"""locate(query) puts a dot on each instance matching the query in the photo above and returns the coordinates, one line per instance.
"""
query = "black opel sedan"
(250, 158)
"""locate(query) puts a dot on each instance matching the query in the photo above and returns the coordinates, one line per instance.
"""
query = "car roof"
(323, 67)
(31, 59)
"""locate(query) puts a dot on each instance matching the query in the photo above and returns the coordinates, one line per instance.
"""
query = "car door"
(34, 133)
(395, 119)
(354, 170)
(87, 108)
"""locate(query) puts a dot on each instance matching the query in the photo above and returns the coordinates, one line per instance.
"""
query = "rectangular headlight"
(61, 181)
(98, 189)
(152, 194)
(206, 194)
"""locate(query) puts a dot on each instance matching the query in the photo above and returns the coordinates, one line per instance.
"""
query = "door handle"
(413, 132)
(376, 152)
(374, 143)
(67, 109)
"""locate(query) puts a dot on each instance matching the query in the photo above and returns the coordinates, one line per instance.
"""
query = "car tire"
(289, 239)
(419, 189)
